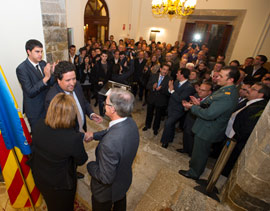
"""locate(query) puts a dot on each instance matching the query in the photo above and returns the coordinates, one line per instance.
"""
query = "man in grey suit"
(112, 171)
(35, 78)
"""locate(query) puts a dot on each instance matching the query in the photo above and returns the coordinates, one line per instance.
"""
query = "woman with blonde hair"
(57, 150)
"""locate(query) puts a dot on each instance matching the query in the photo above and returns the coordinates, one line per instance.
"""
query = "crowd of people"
(181, 84)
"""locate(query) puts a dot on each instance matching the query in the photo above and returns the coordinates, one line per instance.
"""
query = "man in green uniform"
(212, 119)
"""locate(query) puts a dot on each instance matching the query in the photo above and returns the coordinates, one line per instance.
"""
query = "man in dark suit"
(66, 82)
(112, 171)
(139, 64)
(102, 72)
(35, 78)
(158, 97)
(242, 122)
(180, 90)
(257, 71)
(212, 120)
(188, 136)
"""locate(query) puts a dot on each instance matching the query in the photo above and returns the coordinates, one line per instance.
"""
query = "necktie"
(179, 85)
(160, 80)
(79, 118)
(39, 70)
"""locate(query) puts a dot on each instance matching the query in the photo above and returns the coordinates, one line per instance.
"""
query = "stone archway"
(96, 20)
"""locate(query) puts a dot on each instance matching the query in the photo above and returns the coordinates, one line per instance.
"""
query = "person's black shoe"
(155, 132)
(187, 175)
(145, 129)
(80, 175)
(165, 145)
(181, 150)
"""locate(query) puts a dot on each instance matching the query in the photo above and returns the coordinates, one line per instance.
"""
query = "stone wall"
(55, 29)
(248, 187)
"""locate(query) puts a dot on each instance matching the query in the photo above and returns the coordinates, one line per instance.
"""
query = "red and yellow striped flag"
(14, 145)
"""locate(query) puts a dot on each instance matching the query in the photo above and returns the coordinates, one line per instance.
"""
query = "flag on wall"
(14, 145)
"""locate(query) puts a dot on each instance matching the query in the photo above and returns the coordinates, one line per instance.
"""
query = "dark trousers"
(188, 141)
(150, 114)
(57, 200)
(169, 128)
(101, 99)
(120, 205)
(200, 153)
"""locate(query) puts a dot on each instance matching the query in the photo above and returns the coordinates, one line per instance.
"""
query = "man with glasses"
(204, 92)
(111, 173)
(211, 120)
(243, 121)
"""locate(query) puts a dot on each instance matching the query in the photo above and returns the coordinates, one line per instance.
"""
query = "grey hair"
(122, 101)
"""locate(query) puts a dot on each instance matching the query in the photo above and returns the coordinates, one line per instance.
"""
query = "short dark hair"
(208, 83)
(31, 44)
(104, 52)
(185, 72)
(236, 61)
(63, 67)
(250, 83)
(234, 73)
(165, 64)
(265, 90)
(82, 49)
(122, 53)
(72, 46)
(263, 58)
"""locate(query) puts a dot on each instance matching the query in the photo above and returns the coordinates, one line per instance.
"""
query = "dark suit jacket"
(112, 171)
(34, 90)
(138, 69)
(158, 98)
(55, 156)
(181, 93)
(100, 74)
(86, 108)
(257, 76)
(245, 122)
(243, 125)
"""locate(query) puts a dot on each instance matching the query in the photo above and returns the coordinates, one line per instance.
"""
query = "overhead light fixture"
(173, 7)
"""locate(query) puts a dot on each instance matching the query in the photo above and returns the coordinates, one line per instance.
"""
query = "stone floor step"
(170, 191)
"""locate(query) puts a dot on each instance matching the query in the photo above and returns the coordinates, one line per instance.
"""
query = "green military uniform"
(210, 125)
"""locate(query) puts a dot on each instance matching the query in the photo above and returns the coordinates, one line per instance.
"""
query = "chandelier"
(173, 7)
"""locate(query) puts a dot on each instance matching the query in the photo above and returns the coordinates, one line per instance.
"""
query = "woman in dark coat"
(57, 150)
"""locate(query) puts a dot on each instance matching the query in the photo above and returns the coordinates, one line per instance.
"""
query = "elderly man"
(111, 172)
(211, 120)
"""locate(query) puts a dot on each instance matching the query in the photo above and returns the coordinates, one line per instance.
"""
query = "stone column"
(248, 187)
(55, 29)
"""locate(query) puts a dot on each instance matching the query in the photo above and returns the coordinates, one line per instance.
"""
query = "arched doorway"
(96, 20)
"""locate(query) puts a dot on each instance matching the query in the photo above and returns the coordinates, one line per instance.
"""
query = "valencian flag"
(14, 148)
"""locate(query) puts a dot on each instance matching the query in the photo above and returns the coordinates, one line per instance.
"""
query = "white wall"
(20, 20)
(252, 27)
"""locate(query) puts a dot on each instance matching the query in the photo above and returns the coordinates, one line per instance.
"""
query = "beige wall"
(251, 39)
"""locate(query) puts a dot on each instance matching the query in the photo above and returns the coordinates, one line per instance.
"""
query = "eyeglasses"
(107, 105)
